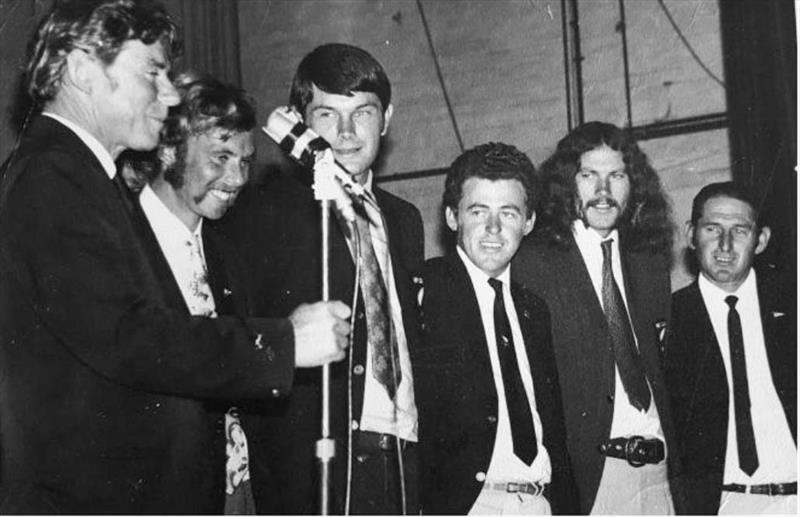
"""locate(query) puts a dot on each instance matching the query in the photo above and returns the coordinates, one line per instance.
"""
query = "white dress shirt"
(379, 413)
(777, 452)
(626, 420)
(185, 255)
(505, 466)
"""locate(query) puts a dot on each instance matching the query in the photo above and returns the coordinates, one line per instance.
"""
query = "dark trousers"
(376, 487)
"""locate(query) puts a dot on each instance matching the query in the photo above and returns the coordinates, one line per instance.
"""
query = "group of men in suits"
(106, 370)
(148, 344)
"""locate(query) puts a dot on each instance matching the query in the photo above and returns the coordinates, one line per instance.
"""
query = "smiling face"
(490, 221)
(352, 125)
(217, 166)
(132, 96)
(603, 189)
(725, 240)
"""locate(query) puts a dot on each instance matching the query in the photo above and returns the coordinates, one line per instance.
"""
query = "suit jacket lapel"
(470, 327)
(596, 342)
(779, 333)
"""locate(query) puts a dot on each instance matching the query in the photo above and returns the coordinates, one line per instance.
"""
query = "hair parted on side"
(492, 161)
(731, 189)
(645, 225)
(339, 69)
(99, 27)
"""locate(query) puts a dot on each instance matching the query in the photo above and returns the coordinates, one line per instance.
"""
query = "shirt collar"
(102, 154)
(368, 183)
(588, 237)
(162, 219)
(746, 291)
(477, 275)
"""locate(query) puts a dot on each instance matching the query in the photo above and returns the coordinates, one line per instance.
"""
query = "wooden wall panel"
(666, 82)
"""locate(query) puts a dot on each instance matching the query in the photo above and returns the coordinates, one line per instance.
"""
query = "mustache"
(601, 200)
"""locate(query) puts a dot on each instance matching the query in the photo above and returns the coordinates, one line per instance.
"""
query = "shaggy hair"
(97, 27)
(645, 225)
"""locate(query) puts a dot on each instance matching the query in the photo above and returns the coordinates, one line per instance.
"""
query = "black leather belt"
(374, 441)
(768, 489)
(636, 450)
(523, 488)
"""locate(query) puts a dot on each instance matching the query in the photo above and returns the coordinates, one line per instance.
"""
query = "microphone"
(308, 148)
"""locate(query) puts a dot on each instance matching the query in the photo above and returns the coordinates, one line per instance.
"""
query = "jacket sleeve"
(72, 255)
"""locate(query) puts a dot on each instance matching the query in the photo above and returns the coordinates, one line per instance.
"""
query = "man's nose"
(346, 125)
(602, 185)
(237, 174)
(493, 223)
(725, 241)
(167, 94)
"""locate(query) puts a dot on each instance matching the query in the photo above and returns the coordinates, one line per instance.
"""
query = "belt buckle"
(630, 448)
(512, 487)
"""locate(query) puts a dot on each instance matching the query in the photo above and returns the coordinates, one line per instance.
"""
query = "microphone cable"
(357, 252)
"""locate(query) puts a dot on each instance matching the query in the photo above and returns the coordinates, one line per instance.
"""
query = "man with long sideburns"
(599, 258)
(101, 384)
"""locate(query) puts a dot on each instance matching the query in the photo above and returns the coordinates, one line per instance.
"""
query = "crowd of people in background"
(162, 323)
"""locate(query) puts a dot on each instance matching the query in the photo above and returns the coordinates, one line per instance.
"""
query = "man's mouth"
(605, 203)
(224, 196)
(491, 245)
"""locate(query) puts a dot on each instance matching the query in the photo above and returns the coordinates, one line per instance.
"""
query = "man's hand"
(320, 333)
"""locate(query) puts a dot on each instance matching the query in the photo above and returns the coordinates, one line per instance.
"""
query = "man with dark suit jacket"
(202, 162)
(100, 381)
(343, 94)
(599, 260)
(732, 365)
(492, 437)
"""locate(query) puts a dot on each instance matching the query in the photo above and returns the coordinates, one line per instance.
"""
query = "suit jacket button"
(354, 425)
(480, 477)
(610, 399)
(491, 418)
(358, 369)
(276, 392)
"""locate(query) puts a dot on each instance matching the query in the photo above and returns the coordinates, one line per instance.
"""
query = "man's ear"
(451, 219)
(688, 232)
(387, 117)
(529, 224)
(763, 239)
(81, 70)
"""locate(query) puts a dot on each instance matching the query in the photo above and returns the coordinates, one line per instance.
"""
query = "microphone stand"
(325, 191)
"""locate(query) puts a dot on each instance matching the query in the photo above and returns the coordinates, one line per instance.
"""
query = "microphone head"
(294, 137)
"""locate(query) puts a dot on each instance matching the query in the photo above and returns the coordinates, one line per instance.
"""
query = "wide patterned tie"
(745, 437)
(385, 361)
(200, 299)
(626, 354)
(523, 434)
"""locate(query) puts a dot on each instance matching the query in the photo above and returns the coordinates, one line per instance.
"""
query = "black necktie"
(745, 438)
(523, 434)
(385, 360)
(625, 352)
